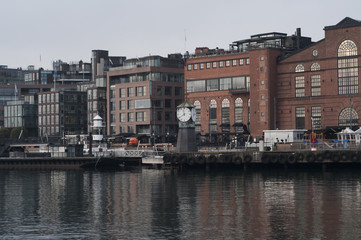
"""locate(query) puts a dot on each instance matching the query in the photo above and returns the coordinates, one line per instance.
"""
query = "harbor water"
(190, 204)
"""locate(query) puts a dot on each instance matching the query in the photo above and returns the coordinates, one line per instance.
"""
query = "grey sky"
(70, 29)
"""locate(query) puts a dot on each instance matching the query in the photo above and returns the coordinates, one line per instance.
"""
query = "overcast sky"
(37, 32)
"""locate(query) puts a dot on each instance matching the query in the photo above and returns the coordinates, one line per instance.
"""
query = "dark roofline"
(281, 58)
(260, 34)
(346, 22)
(253, 37)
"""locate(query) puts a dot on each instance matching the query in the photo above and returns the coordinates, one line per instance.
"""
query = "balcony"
(239, 91)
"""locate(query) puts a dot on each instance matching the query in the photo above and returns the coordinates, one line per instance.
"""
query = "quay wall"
(302, 157)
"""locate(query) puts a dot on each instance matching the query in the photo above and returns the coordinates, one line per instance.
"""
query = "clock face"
(194, 114)
(183, 114)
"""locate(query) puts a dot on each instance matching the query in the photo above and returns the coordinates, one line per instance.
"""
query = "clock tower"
(186, 115)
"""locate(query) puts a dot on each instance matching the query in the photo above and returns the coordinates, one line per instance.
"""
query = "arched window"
(225, 115)
(238, 115)
(315, 67)
(299, 68)
(213, 116)
(249, 113)
(238, 110)
(347, 48)
(197, 105)
(347, 65)
(348, 117)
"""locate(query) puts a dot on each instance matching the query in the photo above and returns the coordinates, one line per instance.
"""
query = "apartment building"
(62, 112)
(142, 96)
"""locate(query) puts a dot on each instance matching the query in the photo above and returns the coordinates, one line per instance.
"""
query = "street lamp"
(168, 141)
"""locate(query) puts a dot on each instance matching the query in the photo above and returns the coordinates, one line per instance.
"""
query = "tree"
(15, 132)
(4, 133)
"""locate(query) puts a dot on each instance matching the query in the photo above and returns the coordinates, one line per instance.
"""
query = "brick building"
(234, 91)
(318, 87)
(142, 96)
(274, 81)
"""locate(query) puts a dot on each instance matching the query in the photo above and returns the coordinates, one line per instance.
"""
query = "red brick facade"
(306, 88)
(330, 102)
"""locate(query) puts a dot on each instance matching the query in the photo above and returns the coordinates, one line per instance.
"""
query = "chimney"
(298, 38)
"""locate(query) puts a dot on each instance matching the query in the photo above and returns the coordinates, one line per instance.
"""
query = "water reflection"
(153, 204)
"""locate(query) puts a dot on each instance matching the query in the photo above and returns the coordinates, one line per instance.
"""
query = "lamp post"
(209, 119)
(168, 141)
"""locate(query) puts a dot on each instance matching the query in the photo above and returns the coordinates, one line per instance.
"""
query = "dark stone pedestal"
(186, 141)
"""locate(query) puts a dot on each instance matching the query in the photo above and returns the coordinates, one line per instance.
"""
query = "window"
(228, 63)
(316, 117)
(168, 91)
(213, 115)
(197, 105)
(212, 84)
(214, 64)
(189, 67)
(238, 111)
(315, 67)
(234, 62)
(300, 118)
(225, 115)
(130, 117)
(249, 111)
(241, 61)
(130, 104)
(177, 91)
(220, 64)
(225, 83)
(299, 68)
(122, 92)
(122, 117)
(300, 86)
(159, 116)
(130, 92)
(157, 104)
(130, 129)
(262, 97)
(141, 91)
(159, 91)
(315, 85)
(122, 105)
(208, 65)
(195, 66)
(140, 116)
(168, 116)
(239, 82)
(347, 68)
(196, 86)
(347, 48)
(348, 117)
(201, 66)
(122, 129)
(247, 61)
(168, 103)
